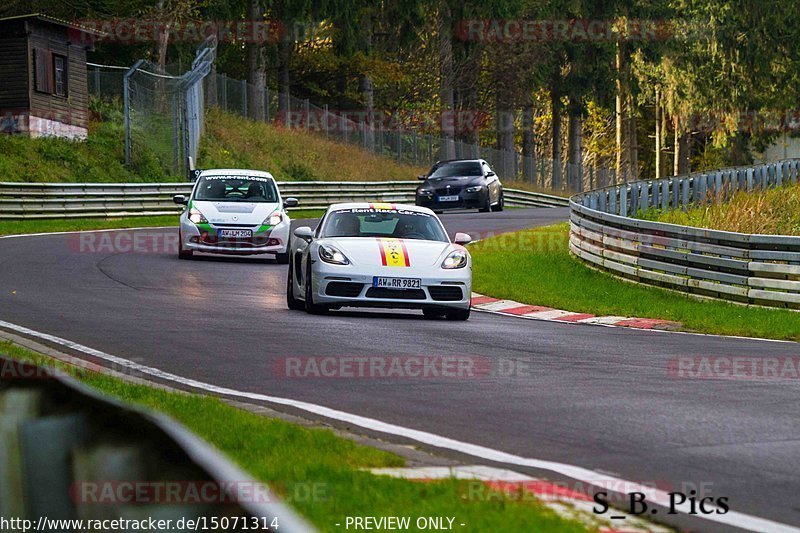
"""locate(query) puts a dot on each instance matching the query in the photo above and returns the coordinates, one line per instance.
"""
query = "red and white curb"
(538, 312)
(563, 500)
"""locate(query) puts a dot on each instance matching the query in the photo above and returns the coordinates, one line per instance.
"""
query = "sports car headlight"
(424, 191)
(274, 219)
(475, 189)
(456, 259)
(196, 216)
(331, 255)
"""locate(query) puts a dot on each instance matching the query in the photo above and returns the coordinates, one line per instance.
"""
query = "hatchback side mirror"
(490, 174)
(305, 233)
(462, 239)
(180, 199)
(290, 202)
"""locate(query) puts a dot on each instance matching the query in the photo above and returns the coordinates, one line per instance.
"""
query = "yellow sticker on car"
(393, 253)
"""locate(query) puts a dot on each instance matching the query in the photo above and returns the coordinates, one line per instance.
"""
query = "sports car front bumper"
(352, 285)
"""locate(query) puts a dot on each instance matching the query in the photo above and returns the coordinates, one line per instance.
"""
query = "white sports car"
(235, 212)
(380, 255)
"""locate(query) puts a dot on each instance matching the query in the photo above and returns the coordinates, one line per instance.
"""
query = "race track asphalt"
(600, 398)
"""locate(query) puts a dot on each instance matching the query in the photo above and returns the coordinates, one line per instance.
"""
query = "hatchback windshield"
(368, 222)
(451, 170)
(236, 189)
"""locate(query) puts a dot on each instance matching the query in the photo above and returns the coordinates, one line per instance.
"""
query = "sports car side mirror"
(462, 239)
(421, 177)
(304, 232)
(180, 199)
(291, 202)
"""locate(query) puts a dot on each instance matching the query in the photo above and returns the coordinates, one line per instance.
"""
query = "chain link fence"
(164, 113)
(164, 108)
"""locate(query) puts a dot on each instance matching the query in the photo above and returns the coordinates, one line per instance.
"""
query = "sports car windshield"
(368, 222)
(236, 189)
(451, 170)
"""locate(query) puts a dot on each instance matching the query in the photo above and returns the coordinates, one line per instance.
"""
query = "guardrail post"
(665, 194)
(612, 200)
(126, 98)
(623, 200)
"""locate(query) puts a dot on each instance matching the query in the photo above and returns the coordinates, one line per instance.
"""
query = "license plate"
(396, 283)
(453, 198)
(236, 233)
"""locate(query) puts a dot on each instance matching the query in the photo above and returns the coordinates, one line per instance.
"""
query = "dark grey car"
(461, 184)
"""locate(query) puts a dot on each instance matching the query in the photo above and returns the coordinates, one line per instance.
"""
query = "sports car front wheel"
(293, 303)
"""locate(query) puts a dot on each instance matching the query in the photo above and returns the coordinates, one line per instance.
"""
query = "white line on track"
(732, 518)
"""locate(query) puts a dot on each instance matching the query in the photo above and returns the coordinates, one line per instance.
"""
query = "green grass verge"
(17, 227)
(535, 267)
(294, 460)
(772, 212)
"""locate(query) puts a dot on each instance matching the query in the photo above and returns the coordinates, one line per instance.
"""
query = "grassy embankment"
(320, 474)
(773, 212)
(535, 267)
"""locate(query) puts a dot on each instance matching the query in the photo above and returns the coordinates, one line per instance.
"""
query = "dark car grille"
(446, 293)
(345, 289)
(396, 294)
(444, 191)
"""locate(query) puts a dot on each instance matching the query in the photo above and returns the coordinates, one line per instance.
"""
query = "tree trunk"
(664, 132)
(622, 125)
(555, 105)
(528, 145)
(446, 80)
(658, 133)
(285, 47)
(367, 94)
(681, 164)
(256, 67)
(574, 143)
(633, 140)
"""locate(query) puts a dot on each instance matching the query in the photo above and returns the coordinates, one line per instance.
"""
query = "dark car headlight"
(476, 188)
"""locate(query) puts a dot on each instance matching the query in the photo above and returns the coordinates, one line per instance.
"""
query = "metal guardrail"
(103, 200)
(755, 269)
(70, 453)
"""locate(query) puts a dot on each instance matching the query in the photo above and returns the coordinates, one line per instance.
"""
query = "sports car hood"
(390, 252)
(245, 213)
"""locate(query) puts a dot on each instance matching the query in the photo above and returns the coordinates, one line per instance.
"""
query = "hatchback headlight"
(331, 254)
(456, 259)
(274, 219)
(196, 216)
(475, 189)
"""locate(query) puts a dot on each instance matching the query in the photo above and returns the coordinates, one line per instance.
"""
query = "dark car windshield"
(389, 223)
(451, 170)
(236, 189)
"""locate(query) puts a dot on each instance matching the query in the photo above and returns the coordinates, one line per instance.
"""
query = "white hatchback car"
(235, 212)
(380, 255)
